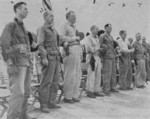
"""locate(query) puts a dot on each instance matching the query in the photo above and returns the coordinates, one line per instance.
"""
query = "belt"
(139, 56)
(95, 54)
(18, 46)
(21, 47)
(53, 51)
(125, 54)
(18, 50)
(53, 48)
(74, 43)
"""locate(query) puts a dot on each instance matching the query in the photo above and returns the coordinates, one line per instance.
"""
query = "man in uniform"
(125, 64)
(16, 53)
(109, 67)
(147, 61)
(72, 59)
(139, 54)
(47, 39)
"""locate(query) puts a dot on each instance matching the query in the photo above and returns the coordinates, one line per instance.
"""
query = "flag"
(47, 5)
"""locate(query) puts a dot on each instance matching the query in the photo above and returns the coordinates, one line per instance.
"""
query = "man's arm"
(135, 48)
(131, 49)
(66, 38)
(32, 39)
(89, 49)
(103, 46)
(6, 38)
(134, 54)
(40, 43)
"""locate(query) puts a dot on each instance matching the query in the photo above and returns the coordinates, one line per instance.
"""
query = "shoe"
(45, 109)
(142, 86)
(75, 100)
(30, 118)
(53, 106)
(122, 88)
(107, 93)
(114, 90)
(99, 94)
(91, 95)
(68, 101)
(129, 88)
(27, 117)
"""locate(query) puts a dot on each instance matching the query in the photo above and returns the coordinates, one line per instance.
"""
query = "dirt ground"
(133, 104)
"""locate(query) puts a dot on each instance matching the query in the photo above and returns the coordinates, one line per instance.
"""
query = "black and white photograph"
(74, 59)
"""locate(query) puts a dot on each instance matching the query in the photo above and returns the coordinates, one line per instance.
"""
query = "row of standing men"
(128, 58)
(17, 43)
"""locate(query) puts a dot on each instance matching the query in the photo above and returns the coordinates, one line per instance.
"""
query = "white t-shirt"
(123, 45)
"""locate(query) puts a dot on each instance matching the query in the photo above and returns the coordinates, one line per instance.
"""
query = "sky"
(131, 18)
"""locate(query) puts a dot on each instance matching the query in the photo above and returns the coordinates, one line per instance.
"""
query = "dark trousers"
(147, 65)
(125, 72)
(49, 85)
(109, 74)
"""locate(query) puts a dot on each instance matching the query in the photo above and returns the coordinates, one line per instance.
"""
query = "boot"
(75, 99)
(44, 108)
(53, 106)
(68, 101)
(26, 117)
(106, 93)
(98, 94)
(129, 88)
(90, 95)
(142, 86)
(114, 90)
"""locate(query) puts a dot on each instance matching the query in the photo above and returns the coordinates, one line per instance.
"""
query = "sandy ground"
(133, 104)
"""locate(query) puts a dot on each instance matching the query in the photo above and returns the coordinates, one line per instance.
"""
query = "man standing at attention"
(125, 64)
(48, 42)
(16, 52)
(109, 67)
(139, 54)
(72, 59)
(147, 60)
(93, 64)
